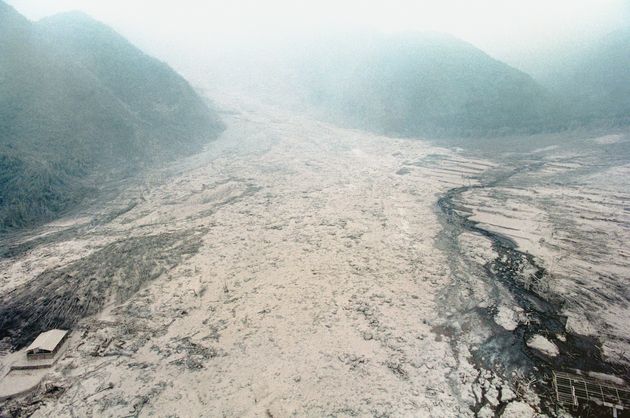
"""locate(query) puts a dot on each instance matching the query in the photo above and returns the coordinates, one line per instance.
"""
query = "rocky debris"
(102, 349)
(492, 396)
(189, 354)
(101, 388)
(608, 378)
(506, 317)
(370, 313)
(507, 394)
(123, 337)
(354, 362)
(398, 368)
(543, 345)
(518, 410)
(25, 406)
(486, 412)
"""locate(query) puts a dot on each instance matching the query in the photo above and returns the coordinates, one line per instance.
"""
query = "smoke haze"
(519, 33)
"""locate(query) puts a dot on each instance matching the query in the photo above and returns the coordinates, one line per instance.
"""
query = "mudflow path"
(519, 278)
(292, 268)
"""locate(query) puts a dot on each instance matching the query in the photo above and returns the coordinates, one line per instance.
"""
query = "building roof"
(47, 341)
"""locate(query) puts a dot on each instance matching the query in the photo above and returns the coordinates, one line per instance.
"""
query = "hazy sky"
(504, 28)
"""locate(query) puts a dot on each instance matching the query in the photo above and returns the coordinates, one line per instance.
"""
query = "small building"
(46, 345)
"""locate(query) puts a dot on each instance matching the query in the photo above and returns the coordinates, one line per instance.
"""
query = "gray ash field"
(298, 268)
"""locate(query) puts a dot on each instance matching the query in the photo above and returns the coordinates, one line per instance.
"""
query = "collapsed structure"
(46, 345)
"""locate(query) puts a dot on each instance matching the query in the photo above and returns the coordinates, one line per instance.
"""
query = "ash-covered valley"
(412, 208)
(298, 268)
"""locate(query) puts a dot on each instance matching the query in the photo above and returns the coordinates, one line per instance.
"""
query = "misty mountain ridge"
(426, 84)
(595, 78)
(150, 88)
(429, 84)
(77, 99)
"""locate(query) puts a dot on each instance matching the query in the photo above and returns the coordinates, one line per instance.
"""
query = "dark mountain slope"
(595, 80)
(429, 84)
(150, 89)
(64, 117)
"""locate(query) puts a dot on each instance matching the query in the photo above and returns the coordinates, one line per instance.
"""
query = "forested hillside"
(77, 100)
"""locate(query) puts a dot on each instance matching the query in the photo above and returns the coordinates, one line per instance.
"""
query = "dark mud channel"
(505, 352)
